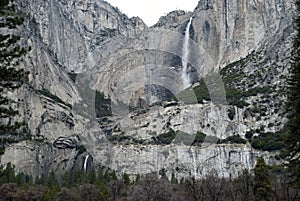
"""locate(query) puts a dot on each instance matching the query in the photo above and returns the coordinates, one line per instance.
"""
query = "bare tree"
(115, 189)
(194, 190)
(281, 191)
(150, 188)
(213, 185)
(243, 184)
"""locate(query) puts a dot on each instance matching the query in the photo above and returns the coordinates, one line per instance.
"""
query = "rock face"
(79, 33)
(221, 32)
(138, 69)
(185, 162)
(229, 30)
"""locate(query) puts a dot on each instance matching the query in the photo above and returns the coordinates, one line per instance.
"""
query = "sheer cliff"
(104, 85)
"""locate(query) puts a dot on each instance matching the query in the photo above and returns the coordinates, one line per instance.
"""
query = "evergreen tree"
(137, 178)
(293, 137)
(52, 181)
(92, 176)
(174, 179)
(126, 179)
(11, 78)
(41, 180)
(7, 175)
(262, 187)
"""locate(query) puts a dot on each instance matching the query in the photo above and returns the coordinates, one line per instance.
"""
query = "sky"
(151, 10)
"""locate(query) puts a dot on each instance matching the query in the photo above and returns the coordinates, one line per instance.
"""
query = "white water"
(194, 165)
(185, 55)
(85, 162)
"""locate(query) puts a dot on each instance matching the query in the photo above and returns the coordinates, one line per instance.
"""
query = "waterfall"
(194, 164)
(85, 162)
(185, 56)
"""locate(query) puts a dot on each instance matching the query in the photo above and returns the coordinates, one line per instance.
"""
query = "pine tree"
(293, 126)
(52, 181)
(126, 179)
(174, 179)
(262, 187)
(11, 78)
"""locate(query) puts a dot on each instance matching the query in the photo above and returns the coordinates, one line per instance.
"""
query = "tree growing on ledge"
(262, 186)
(293, 126)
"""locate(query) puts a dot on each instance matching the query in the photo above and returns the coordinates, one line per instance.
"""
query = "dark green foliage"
(166, 138)
(12, 17)
(102, 105)
(268, 141)
(239, 103)
(257, 90)
(81, 149)
(126, 179)
(13, 22)
(199, 138)
(78, 185)
(249, 134)
(196, 95)
(8, 175)
(231, 113)
(262, 185)
(293, 135)
(174, 179)
(234, 139)
(47, 93)
(230, 76)
(2, 147)
(11, 78)
(73, 76)
(108, 32)
(138, 177)
(201, 92)
(162, 173)
(119, 138)
(236, 92)
(4, 3)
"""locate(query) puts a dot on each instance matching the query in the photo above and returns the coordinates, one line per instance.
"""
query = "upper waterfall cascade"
(185, 55)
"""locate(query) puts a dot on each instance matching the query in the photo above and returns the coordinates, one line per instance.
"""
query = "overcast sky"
(151, 10)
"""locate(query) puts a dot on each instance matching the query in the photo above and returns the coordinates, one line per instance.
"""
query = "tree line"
(267, 183)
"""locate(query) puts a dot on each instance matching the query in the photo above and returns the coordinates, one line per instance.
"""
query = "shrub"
(231, 113)
(166, 138)
(119, 138)
(268, 141)
(47, 93)
(73, 76)
(234, 139)
(199, 138)
(199, 92)
(249, 134)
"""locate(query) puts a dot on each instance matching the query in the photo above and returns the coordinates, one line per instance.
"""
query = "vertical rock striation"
(140, 68)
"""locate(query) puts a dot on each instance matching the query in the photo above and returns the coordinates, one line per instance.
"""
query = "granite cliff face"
(60, 36)
(140, 69)
(79, 33)
(221, 33)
